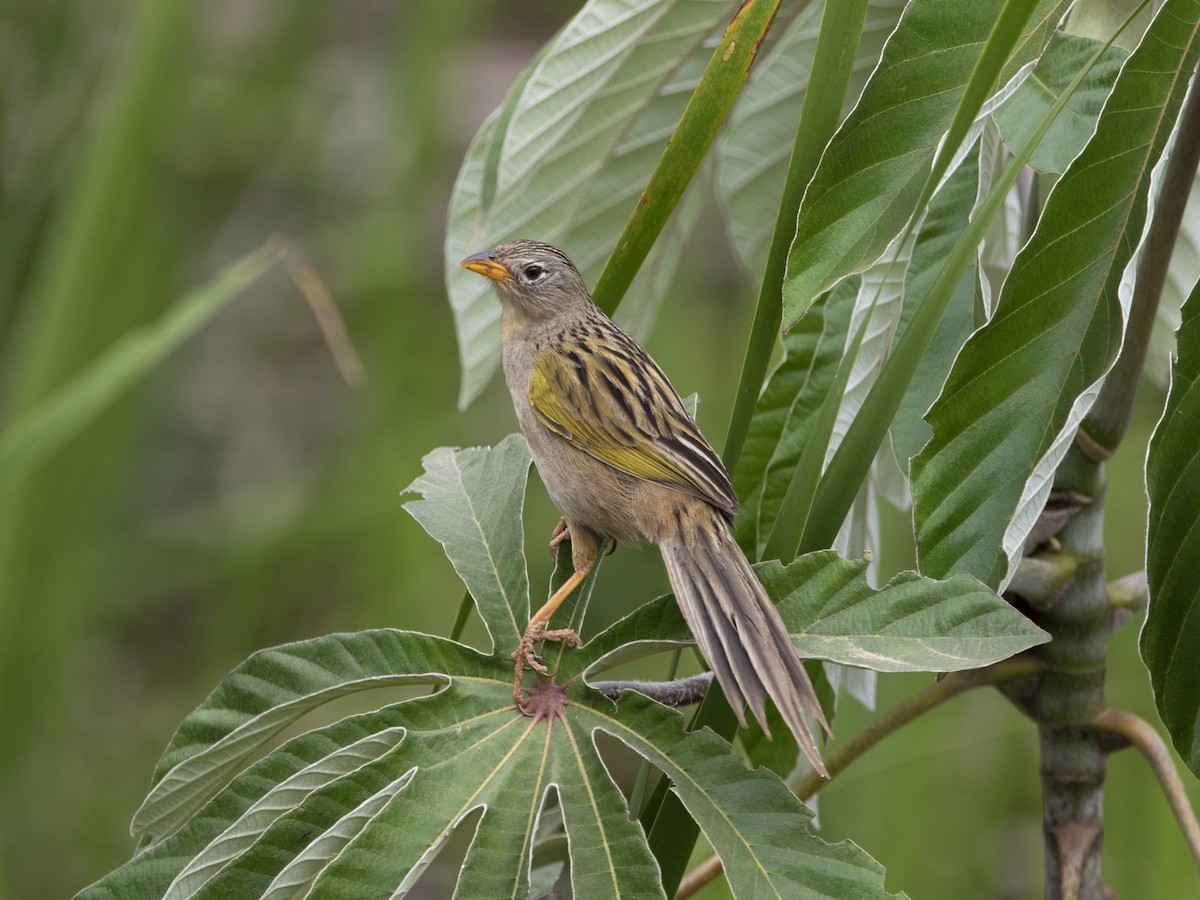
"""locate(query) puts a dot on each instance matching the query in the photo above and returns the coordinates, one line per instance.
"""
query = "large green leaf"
(752, 152)
(912, 624)
(1022, 382)
(469, 502)
(360, 808)
(565, 157)
(878, 166)
(1172, 630)
(354, 811)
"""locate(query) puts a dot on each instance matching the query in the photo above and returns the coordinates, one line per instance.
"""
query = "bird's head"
(535, 279)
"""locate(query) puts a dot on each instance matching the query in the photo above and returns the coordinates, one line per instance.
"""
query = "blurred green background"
(244, 496)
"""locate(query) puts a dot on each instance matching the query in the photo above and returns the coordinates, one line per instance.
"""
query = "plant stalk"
(1109, 418)
(1070, 694)
(1142, 735)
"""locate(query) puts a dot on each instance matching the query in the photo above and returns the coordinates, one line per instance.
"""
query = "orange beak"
(483, 264)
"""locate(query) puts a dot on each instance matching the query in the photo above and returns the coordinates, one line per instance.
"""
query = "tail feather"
(708, 635)
(738, 628)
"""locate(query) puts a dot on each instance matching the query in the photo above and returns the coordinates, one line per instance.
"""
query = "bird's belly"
(586, 490)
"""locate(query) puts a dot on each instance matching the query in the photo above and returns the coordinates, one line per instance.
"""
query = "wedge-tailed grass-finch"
(621, 458)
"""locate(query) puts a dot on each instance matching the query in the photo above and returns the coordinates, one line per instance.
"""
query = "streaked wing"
(603, 393)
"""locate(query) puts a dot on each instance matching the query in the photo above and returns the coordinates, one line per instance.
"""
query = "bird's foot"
(524, 656)
(561, 532)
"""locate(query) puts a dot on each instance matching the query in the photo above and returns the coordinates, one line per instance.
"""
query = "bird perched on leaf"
(621, 458)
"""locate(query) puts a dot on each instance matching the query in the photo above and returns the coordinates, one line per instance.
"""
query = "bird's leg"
(584, 552)
(536, 631)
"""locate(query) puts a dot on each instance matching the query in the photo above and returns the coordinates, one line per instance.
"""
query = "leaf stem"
(921, 702)
(465, 605)
(833, 63)
(1106, 424)
(719, 86)
(1142, 735)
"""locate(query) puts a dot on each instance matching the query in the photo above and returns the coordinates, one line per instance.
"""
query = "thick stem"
(1073, 767)
(1108, 420)
(1071, 694)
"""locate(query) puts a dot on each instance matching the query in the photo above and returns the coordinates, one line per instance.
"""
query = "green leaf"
(566, 156)
(1022, 382)
(64, 412)
(242, 809)
(1020, 113)
(470, 500)
(941, 228)
(758, 832)
(269, 691)
(912, 624)
(752, 152)
(878, 166)
(1172, 630)
(783, 417)
(360, 808)
(282, 797)
(850, 463)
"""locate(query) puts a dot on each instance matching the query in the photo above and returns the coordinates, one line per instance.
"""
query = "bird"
(622, 459)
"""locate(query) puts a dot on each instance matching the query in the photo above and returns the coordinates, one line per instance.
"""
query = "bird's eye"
(534, 272)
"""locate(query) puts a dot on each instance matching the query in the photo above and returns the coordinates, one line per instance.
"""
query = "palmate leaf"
(564, 159)
(1172, 544)
(1022, 383)
(371, 830)
(361, 807)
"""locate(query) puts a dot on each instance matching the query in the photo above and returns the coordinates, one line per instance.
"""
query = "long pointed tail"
(737, 626)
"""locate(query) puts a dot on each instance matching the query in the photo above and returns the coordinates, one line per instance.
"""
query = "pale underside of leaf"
(566, 159)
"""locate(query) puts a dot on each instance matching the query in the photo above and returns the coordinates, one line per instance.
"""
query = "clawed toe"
(561, 532)
(566, 635)
(524, 657)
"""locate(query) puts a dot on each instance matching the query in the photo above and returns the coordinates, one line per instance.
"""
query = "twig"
(309, 283)
(1142, 735)
(1130, 593)
(680, 692)
(949, 687)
